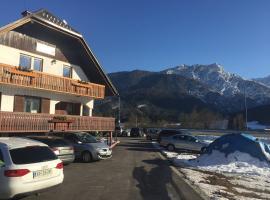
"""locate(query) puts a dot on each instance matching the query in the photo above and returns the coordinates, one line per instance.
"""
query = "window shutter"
(76, 108)
(18, 103)
(45, 105)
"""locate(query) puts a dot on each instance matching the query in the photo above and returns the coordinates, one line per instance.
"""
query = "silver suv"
(86, 146)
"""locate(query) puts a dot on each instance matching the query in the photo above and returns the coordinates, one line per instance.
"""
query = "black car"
(169, 132)
(136, 132)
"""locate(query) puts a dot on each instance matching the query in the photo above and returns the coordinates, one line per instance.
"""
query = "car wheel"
(86, 157)
(171, 147)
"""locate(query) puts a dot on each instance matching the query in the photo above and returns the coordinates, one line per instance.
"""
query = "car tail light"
(56, 150)
(71, 148)
(16, 172)
(59, 166)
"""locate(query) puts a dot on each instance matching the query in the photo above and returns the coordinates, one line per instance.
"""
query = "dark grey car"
(86, 147)
(182, 142)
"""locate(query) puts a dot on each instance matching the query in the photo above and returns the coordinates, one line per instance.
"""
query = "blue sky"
(157, 34)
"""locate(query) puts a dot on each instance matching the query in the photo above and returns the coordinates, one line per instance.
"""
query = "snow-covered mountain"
(225, 83)
(264, 81)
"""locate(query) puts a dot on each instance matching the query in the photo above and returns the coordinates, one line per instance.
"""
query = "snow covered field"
(237, 176)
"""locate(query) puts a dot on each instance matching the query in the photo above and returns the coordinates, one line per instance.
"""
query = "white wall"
(11, 56)
(7, 102)
(8, 92)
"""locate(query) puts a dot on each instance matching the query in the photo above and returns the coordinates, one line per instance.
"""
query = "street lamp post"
(246, 111)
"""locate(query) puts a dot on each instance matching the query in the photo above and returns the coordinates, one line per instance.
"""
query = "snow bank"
(236, 162)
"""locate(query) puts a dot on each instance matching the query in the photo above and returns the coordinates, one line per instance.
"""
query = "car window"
(71, 138)
(86, 138)
(31, 154)
(181, 137)
(1, 159)
(191, 139)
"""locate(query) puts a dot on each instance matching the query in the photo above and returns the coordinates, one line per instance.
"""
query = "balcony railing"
(40, 80)
(28, 122)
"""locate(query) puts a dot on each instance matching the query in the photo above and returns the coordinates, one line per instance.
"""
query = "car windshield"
(86, 138)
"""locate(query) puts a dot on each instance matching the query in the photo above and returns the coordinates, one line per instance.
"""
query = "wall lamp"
(53, 62)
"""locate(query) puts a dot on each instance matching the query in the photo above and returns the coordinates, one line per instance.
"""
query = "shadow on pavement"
(153, 184)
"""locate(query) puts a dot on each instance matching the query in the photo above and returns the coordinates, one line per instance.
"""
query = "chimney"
(26, 13)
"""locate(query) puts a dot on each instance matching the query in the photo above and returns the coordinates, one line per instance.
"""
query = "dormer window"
(29, 62)
(67, 71)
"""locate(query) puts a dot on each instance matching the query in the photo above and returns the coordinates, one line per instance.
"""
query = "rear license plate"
(42, 173)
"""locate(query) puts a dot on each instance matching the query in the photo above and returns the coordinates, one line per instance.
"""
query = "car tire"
(171, 147)
(86, 157)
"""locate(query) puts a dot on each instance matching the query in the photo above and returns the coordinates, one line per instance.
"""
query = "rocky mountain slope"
(165, 95)
(224, 83)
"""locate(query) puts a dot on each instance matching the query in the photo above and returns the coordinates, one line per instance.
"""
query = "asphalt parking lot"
(136, 171)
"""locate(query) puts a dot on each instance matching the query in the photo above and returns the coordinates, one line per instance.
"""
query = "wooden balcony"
(12, 122)
(40, 80)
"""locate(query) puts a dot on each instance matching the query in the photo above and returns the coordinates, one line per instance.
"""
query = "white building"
(49, 76)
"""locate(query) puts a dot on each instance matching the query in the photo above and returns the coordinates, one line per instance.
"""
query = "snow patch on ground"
(237, 176)
(236, 162)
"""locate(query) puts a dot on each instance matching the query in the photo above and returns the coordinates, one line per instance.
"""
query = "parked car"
(126, 132)
(182, 142)
(118, 131)
(169, 132)
(62, 148)
(86, 147)
(27, 166)
(152, 133)
(136, 132)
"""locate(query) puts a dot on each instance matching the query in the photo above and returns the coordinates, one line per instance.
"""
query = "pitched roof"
(46, 18)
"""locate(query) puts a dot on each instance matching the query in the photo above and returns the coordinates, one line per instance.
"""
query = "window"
(25, 61)
(32, 105)
(32, 154)
(38, 64)
(67, 72)
(191, 139)
(1, 159)
(29, 62)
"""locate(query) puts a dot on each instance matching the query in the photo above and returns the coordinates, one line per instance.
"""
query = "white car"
(27, 166)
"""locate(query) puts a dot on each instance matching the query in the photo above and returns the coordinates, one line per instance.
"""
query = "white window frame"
(32, 61)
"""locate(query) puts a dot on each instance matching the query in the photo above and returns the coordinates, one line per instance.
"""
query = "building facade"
(49, 77)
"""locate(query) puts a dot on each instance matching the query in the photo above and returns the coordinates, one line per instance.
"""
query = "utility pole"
(246, 108)
(119, 110)
(136, 119)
